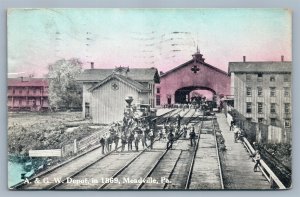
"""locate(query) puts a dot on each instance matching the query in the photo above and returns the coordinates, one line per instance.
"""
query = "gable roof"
(137, 74)
(134, 84)
(250, 67)
(191, 61)
(25, 82)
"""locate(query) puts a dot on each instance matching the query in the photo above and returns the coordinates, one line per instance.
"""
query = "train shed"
(105, 90)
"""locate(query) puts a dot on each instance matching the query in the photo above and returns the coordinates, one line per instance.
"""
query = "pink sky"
(161, 38)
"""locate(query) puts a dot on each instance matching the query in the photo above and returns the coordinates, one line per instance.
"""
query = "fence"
(256, 131)
(266, 171)
(80, 145)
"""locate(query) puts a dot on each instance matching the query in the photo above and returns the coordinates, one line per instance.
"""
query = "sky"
(161, 38)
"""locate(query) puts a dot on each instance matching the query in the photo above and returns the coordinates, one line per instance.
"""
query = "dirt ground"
(29, 118)
(29, 130)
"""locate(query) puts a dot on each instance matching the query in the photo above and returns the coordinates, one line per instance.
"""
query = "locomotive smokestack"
(92, 65)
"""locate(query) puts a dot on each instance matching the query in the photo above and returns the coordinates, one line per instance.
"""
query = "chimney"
(282, 58)
(92, 65)
(244, 58)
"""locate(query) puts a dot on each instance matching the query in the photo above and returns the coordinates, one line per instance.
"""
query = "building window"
(20, 101)
(248, 107)
(20, 91)
(273, 121)
(249, 119)
(287, 109)
(248, 91)
(259, 108)
(260, 120)
(259, 91)
(287, 123)
(273, 108)
(259, 77)
(248, 77)
(286, 78)
(34, 91)
(14, 91)
(286, 91)
(272, 78)
(157, 99)
(272, 91)
(158, 90)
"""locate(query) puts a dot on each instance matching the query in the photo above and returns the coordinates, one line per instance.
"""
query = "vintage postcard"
(149, 99)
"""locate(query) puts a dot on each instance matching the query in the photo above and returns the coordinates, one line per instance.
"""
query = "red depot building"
(177, 84)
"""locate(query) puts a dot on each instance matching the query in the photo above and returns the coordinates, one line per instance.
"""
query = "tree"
(64, 91)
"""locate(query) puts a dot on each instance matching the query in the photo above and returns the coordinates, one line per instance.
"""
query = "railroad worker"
(116, 139)
(184, 131)
(136, 141)
(160, 134)
(102, 143)
(108, 142)
(123, 141)
(170, 139)
(255, 146)
(241, 135)
(164, 132)
(193, 137)
(151, 137)
(178, 121)
(144, 137)
(177, 131)
(257, 158)
(130, 140)
(235, 133)
(231, 125)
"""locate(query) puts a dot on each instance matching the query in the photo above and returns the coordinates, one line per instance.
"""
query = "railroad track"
(205, 169)
(88, 172)
(169, 118)
(155, 175)
(55, 177)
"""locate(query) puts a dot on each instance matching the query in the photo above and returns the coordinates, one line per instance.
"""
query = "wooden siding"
(108, 105)
(86, 97)
(184, 77)
(240, 85)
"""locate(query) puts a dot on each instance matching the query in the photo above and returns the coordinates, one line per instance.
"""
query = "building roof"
(26, 82)
(136, 85)
(137, 74)
(191, 61)
(260, 67)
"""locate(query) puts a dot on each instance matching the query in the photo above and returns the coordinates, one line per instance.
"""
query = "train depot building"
(176, 84)
(105, 90)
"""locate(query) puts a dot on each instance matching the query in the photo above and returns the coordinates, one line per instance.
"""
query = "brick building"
(27, 94)
(262, 91)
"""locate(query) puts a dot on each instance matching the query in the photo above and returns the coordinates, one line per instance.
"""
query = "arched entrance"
(182, 95)
(177, 84)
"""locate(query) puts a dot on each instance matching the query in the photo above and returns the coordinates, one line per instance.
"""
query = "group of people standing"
(171, 134)
(239, 135)
(118, 134)
(145, 135)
